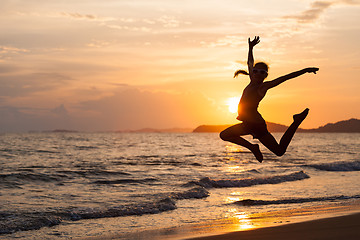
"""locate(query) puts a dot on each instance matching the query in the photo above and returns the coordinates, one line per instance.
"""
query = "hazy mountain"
(155, 130)
(346, 126)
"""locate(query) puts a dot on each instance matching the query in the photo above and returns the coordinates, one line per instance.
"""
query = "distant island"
(63, 131)
(346, 126)
(54, 131)
(155, 130)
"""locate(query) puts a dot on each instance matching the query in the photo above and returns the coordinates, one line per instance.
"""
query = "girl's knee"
(279, 152)
(224, 136)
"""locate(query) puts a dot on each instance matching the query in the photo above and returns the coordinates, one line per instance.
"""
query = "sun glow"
(233, 104)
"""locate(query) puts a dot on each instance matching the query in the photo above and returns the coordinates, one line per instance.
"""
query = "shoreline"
(281, 222)
(331, 228)
(320, 222)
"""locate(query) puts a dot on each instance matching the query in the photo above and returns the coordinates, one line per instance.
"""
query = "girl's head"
(260, 71)
(261, 65)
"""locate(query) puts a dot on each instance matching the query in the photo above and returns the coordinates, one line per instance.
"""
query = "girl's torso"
(249, 103)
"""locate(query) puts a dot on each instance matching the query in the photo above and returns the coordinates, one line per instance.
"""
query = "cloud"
(8, 49)
(21, 119)
(127, 108)
(21, 85)
(14, 119)
(317, 8)
(130, 24)
(130, 108)
(80, 16)
(350, 2)
(60, 110)
(98, 44)
(227, 41)
(169, 21)
(147, 25)
(129, 28)
(90, 17)
(7, 52)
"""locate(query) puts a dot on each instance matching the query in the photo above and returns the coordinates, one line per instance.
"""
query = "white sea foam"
(247, 182)
(46, 219)
(337, 166)
(256, 202)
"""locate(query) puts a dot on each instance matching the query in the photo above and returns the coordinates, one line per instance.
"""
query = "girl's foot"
(298, 118)
(256, 151)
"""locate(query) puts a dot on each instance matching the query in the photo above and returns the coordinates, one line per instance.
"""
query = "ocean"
(83, 185)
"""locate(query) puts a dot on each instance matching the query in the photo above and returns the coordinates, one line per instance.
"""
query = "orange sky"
(111, 65)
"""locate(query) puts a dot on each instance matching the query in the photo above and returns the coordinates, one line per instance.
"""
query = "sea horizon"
(346, 126)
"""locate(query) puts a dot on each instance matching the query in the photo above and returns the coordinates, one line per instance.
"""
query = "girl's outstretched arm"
(270, 84)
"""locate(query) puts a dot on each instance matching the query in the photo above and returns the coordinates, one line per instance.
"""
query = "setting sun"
(233, 104)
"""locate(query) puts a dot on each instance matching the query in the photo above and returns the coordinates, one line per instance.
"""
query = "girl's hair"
(262, 64)
(240, 72)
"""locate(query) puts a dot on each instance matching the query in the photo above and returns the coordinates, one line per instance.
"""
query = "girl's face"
(260, 73)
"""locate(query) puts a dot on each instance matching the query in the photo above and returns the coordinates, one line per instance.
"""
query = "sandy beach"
(343, 227)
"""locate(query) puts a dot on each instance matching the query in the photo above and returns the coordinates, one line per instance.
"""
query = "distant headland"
(157, 130)
(346, 126)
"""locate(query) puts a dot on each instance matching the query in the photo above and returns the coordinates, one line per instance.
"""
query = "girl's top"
(249, 102)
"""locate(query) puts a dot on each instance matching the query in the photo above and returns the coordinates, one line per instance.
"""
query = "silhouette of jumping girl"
(252, 121)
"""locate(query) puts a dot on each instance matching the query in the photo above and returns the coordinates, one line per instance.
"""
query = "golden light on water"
(232, 199)
(243, 221)
(232, 148)
(234, 169)
(233, 104)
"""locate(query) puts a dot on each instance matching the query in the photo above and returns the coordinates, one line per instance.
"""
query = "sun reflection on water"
(234, 169)
(233, 159)
(232, 199)
(242, 220)
(231, 148)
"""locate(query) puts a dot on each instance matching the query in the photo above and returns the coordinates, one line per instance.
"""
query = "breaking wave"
(336, 166)
(246, 182)
(250, 202)
(28, 176)
(15, 221)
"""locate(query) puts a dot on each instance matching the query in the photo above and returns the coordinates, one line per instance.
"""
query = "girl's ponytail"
(240, 72)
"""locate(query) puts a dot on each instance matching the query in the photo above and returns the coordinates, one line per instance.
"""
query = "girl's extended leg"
(233, 133)
(279, 149)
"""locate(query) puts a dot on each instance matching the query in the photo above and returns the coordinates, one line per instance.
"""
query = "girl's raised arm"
(250, 61)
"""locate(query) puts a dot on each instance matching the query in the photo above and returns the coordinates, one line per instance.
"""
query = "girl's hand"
(254, 42)
(312, 70)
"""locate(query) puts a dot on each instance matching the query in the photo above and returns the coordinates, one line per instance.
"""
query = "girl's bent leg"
(270, 142)
(232, 134)
(279, 149)
(289, 134)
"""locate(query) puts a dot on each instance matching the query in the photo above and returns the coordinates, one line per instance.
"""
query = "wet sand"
(330, 221)
(343, 227)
